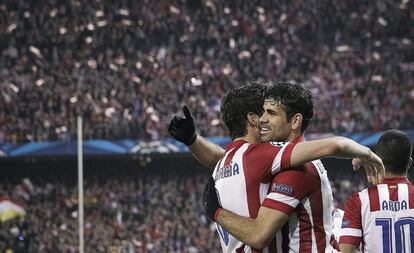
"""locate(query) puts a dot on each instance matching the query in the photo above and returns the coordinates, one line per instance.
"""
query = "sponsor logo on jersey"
(345, 223)
(282, 188)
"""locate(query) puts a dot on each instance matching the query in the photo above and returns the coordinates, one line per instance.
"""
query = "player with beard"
(246, 169)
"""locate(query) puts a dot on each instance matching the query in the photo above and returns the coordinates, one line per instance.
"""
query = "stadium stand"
(126, 67)
(145, 210)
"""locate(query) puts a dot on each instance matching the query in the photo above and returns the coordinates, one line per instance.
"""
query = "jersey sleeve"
(351, 228)
(288, 189)
(270, 157)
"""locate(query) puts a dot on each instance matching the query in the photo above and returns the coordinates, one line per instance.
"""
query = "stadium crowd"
(148, 212)
(126, 66)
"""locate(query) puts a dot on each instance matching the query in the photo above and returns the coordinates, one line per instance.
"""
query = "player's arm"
(206, 152)
(287, 192)
(256, 232)
(347, 248)
(339, 147)
(183, 130)
(351, 229)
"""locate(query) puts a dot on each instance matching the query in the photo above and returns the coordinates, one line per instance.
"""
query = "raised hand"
(374, 167)
(183, 128)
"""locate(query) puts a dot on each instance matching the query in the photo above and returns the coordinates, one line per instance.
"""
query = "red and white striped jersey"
(242, 180)
(337, 215)
(381, 217)
(304, 194)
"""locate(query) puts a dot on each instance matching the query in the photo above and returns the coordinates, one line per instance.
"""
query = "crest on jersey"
(277, 143)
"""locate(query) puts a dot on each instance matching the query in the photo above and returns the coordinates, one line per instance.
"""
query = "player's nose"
(263, 120)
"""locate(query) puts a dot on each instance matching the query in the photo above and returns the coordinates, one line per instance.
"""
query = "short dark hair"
(237, 103)
(394, 147)
(294, 99)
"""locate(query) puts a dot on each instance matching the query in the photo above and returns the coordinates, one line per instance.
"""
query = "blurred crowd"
(127, 66)
(145, 213)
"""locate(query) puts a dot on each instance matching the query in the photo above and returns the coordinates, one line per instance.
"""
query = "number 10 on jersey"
(400, 234)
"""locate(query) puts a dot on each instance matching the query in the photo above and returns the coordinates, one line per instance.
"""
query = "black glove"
(210, 199)
(183, 129)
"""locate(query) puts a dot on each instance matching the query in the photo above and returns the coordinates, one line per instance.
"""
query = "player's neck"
(250, 137)
(391, 175)
(293, 135)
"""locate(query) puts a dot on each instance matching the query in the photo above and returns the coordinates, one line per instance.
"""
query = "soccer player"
(293, 114)
(246, 169)
(381, 217)
(299, 207)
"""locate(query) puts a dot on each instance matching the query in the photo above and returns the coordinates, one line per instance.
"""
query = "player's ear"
(296, 121)
(253, 119)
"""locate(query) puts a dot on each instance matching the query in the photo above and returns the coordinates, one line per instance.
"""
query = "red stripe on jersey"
(277, 205)
(393, 190)
(350, 240)
(353, 211)
(285, 163)
(411, 195)
(240, 250)
(305, 229)
(334, 243)
(253, 201)
(316, 205)
(252, 191)
(373, 199)
(229, 157)
(272, 246)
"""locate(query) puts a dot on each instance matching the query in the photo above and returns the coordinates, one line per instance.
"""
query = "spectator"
(126, 67)
(148, 212)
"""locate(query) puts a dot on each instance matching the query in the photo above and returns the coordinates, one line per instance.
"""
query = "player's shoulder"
(270, 144)
(410, 185)
(266, 146)
(355, 198)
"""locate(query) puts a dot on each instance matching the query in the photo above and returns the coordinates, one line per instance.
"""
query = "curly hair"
(237, 103)
(294, 99)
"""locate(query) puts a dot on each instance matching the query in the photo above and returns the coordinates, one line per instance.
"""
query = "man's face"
(273, 122)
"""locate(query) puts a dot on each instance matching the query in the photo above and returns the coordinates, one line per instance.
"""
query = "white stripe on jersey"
(328, 206)
(294, 238)
(278, 159)
(365, 207)
(230, 187)
(383, 193)
(403, 193)
(308, 208)
(351, 232)
(291, 201)
(223, 160)
(263, 189)
(227, 189)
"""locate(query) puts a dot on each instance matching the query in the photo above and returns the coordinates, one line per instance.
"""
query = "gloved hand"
(210, 200)
(183, 128)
